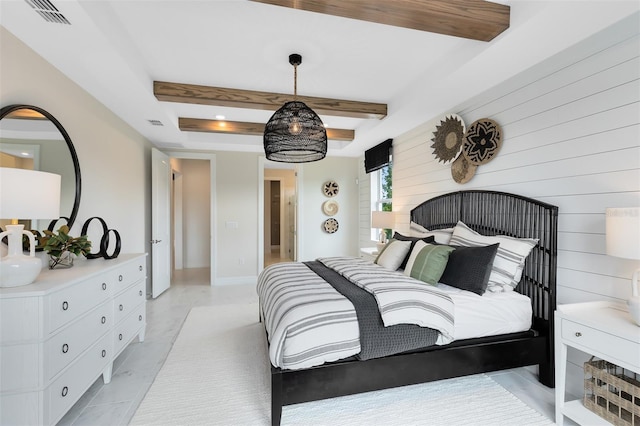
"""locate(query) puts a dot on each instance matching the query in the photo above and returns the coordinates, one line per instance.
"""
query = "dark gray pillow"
(397, 236)
(469, 268)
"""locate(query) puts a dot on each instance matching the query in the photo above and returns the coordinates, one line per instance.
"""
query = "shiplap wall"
(571, 137)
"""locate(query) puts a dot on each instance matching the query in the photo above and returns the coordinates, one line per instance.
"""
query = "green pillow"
(427, 262)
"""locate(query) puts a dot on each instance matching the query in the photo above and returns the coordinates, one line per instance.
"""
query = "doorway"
(190, 240)
(279, 215)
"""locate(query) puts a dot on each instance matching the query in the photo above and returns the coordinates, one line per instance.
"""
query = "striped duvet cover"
(309, 323)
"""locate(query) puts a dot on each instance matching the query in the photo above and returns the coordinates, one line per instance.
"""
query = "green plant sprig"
(56, 244)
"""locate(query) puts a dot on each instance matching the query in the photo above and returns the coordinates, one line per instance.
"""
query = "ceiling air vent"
(48, 11)
(156, 122)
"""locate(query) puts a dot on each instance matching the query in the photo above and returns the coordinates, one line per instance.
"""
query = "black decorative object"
(448, 137)
(295, 133)
(482, 141)
(104, 240)
(377, 157)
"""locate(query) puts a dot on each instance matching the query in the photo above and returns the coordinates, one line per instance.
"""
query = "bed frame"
(489, 213)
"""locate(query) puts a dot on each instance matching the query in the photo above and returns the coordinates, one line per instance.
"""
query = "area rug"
(217, 373)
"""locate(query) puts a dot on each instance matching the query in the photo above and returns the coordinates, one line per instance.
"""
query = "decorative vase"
(65, 260)
(16, 268)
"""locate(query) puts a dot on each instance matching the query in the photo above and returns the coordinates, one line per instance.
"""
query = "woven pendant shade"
(295, 133)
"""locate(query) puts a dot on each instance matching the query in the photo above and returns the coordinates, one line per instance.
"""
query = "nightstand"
(602, 329)
(369, 253)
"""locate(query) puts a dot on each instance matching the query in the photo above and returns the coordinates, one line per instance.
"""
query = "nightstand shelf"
(369, 253)
(602, 329)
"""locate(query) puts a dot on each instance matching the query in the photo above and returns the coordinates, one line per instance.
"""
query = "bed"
(488, 213)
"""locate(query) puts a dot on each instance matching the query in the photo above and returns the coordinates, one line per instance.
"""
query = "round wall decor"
(330, 207)
(330, 226)
(462, 170)
(447, 138)
(330, 188)
(482, 141)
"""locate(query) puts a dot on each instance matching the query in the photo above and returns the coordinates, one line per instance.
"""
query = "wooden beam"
(473, 19)
(243, 128)
(238, 98)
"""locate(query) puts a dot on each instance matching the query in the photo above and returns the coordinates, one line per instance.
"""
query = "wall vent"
(156, 122)
(48, 11)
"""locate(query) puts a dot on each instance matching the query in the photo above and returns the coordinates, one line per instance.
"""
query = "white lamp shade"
(623, 232)
(383, 220)
(29, 194)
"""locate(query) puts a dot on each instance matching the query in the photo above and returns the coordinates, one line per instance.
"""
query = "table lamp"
(382, 221)
(623, 240)
(25, 194)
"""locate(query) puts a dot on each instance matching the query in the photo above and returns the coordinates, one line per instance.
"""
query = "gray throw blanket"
(376, 340)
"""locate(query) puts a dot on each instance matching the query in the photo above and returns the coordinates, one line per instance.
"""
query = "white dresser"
(59, 334)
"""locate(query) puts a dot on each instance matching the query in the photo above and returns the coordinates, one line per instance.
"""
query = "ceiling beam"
(243, 128)
(238, 98)
(473, 19)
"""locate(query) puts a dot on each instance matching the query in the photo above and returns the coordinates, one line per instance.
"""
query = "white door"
(160, 223)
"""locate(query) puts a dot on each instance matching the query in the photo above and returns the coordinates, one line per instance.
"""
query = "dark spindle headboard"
(493, 213)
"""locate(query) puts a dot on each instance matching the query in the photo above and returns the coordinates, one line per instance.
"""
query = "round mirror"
(31, 138)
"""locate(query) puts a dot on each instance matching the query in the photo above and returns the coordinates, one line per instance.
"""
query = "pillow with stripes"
(508, 264)
(427, 262)
(442, 236)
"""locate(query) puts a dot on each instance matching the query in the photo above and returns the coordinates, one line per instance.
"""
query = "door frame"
(262, 164)
(212, 200)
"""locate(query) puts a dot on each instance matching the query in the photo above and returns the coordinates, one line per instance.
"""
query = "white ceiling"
(116, 49)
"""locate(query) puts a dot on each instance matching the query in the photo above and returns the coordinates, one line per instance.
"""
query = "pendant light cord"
(295, 82)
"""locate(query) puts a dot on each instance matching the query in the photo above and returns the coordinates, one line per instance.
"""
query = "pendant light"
(295, 133)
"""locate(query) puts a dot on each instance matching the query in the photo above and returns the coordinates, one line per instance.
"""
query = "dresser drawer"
(128, 300)
(129, 328)
(72, 302)
(65, 346)
(613, 347)
(66, 389)
(129, 274)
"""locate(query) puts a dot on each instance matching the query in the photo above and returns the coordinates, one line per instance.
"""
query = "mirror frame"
(72, 150)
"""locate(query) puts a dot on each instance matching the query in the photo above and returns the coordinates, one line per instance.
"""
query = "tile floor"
(136, 368)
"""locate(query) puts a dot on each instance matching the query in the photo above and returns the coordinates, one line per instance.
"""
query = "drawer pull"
(119, 277)
(103, 320)
(65, 305)
(578, 334)
(121, 307)
(104, 353)
(140, 268)
(140, 293)
(65, 391)
(65, 348)
(139, 317)
(119, 336)
(104, 286)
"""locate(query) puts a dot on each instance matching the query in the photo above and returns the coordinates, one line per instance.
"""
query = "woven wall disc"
(330, 226)
(482, 141)
(462, 170)
(448, 138)
(330, 207)
(330, 188)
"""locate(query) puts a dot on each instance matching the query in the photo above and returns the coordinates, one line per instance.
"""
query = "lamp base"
(19, 270)
(634, 308)
(16, 269)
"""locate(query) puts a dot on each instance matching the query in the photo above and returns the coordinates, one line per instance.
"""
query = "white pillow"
(442, 236)
(393, 254)
(509, 261)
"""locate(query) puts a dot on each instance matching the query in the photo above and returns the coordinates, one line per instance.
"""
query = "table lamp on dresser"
(623, 240)
(24, 194)
(382, 220)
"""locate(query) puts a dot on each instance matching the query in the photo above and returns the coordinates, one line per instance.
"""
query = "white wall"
(571, 129)
(196, 213)
(115, 160)
(314, 241)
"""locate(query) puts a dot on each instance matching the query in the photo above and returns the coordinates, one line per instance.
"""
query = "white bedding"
(490, 314)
